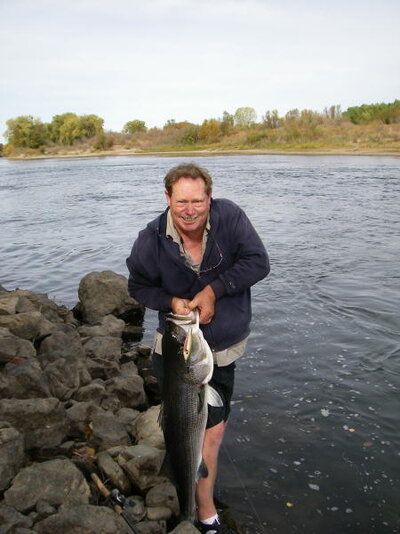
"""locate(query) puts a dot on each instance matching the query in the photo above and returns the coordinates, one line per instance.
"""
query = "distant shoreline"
(222, 152)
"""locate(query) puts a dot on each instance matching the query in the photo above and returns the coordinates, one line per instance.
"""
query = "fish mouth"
(180, 320)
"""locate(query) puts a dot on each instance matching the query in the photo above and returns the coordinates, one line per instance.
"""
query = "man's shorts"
(222, 381)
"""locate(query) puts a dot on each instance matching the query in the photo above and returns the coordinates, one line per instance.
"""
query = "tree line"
(240, 127)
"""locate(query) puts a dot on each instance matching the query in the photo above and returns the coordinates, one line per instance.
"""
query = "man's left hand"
(205, 302)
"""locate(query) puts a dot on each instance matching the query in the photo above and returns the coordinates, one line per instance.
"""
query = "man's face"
(189, 205)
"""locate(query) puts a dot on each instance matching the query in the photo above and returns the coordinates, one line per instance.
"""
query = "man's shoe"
(218, 526)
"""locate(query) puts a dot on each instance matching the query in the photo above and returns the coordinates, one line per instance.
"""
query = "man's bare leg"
(205, 486)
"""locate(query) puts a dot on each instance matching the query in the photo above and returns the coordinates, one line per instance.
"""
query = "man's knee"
(214, 436)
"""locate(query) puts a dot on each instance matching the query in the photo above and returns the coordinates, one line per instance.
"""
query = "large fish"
(187, 368)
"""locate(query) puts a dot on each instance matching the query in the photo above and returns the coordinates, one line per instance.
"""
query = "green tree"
(227, 123)
(91, 125)
(26, 132)
(131, 127)
(56, 124)
(70, 130)
(245, 117)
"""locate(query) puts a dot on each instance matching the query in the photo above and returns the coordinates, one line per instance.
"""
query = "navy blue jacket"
(234, 260)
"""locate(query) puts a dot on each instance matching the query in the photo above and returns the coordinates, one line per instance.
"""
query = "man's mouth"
(190, 219)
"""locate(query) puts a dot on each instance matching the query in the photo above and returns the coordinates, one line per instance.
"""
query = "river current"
(313, 443)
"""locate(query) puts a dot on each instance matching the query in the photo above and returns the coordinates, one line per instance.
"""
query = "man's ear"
(167, 197)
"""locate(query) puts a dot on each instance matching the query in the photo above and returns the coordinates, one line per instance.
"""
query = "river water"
(313, 443)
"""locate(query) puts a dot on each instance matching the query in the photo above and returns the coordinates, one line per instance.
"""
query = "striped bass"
(187, 367)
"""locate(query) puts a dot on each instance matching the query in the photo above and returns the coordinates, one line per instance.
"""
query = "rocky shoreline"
(78, 397)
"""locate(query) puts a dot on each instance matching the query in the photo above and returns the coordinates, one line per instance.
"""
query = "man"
(201, 253)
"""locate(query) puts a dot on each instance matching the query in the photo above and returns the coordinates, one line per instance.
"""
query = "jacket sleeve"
(144, 282)
(250, 259)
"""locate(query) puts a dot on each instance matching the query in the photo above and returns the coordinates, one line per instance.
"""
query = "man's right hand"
(180, 306)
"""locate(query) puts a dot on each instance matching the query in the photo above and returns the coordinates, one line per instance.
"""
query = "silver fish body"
(187, 368)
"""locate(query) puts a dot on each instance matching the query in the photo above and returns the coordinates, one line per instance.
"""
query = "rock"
(14, 347)
(136, 508)
(41, 421)
(83, 519)
(25, 325)
(56, 481)
(65, 376)
(80, 415)
(158, 513)
(148, 430)
(109, 326)
(61, 343)
(151, 527)
(128, 416)
(107, 432)
(103, 293)
(104, 354)
(26, 379)
(113, 472)
(95, 391)
(44, 509)
(185, 527)
(163, 495)
(10, 519)
(29, 301)
(11, 454)
(132, 333)
(128, 389)
(144, 466)
(8, 303)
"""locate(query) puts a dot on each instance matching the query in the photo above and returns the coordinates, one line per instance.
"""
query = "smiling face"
(189, 205)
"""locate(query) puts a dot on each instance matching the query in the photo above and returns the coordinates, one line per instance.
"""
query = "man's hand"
(205, 302)
(180, 306)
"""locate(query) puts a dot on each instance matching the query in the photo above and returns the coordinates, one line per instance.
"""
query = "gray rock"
(185, 527)
(109, 326)
(11, 454)
(163, 495)
(103, 293)
(25, 325)
(107, 432)
(113, 472)
(55, 481)
(65, 376)
(29, 301)
(159, 512)
(148, 430)
(144, 466)
(151, 527)
(137, 508)
(83, 519)
(25, 379)
(129, 390)
(95, 391)
(14, 347)
(44, 509)
(43, 422)
(11, 519)
(80, 415)
(103, 348)
(128, 416)
(63, 342)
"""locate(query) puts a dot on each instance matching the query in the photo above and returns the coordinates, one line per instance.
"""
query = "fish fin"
(160, 418)
(166, 469)
(202, 471)
(213, 398)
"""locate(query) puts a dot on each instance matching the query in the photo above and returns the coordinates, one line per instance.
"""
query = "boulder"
(64, 342)
(29, 301)
(128, 390)
(103, 293)
(107, 432)
(25, 325)
(103, 355)
(55, 481)
(11, 520)
(8, 303)
(163, 495)
(185, 527)
(109, 326)
(12, 347)
(151, 527)
(83, 519)
(144, 466)
(43, 422)
(148, 430)
(26, 379)
(113, 472)
(11, 454)
(65, 376)
(80, 415)
(128, 416)
(156, 513)
(95, 391)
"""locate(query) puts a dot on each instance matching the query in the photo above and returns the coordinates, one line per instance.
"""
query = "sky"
(192, 60)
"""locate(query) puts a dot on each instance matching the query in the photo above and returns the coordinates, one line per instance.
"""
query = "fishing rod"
(118, 500)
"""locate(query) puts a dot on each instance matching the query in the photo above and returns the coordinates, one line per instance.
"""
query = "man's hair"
(189, 170)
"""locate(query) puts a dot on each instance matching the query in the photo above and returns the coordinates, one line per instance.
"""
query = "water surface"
(313, 442)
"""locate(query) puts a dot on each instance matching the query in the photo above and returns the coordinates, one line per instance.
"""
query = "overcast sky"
(190, 60)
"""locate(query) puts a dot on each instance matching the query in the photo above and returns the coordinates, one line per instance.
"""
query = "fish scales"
(184, 411)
